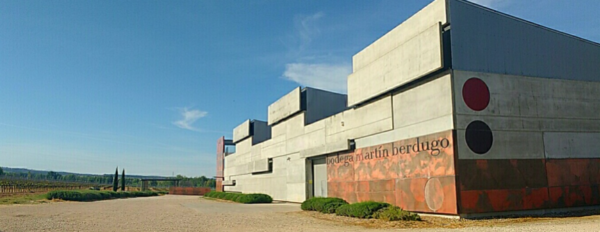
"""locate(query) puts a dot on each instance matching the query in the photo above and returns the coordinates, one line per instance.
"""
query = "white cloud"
(492, 3)
(313, 68)
(331, 77)
(306, 28)
(189, 117)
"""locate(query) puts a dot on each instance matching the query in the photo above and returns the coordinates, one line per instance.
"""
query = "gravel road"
(191, 213)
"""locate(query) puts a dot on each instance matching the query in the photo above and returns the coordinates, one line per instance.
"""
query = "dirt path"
(189, 213)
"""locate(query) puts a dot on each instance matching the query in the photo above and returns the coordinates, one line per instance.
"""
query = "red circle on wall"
(476, 94)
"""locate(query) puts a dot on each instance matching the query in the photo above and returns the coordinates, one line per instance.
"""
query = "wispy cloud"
(189, 116)
(320, 69)
(330, 77)
(493, 3)
(307, 29)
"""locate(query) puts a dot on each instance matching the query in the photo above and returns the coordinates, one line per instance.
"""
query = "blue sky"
(149, 86)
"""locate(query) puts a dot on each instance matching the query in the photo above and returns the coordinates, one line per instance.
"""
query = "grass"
(23, 199)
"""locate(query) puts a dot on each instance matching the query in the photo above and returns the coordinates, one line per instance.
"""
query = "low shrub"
(254, 198)
(323, 204)
(241, 197)
(365, 209)
(394, 213)
(231, 196)
(93, 195)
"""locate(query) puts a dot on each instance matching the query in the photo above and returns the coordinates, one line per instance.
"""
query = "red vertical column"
(220, 163)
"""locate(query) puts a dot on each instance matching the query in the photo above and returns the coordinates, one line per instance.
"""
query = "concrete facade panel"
(561, 145)
(261, 165)
(242, 131)
(242, 148)
(363, 121)
(506, 145)
(284, 107)
(428, 101)
(532, 124)
(274, 150)
(329, 147)
(433, 13)
(415, 130)
(256, 152)
(294, 126)
(532, 97)
(416, 57)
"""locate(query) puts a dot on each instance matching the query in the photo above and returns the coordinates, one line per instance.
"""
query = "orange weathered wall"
(421, 180)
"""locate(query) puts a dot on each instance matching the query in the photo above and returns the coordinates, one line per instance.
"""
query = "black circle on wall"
(479, 137)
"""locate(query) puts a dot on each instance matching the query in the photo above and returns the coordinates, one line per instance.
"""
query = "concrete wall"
(544, 135)
(416, 57)
(261, 131)
(284, 107)
(430, 15)
(418, 111)
(322, 104)
(522, 123)
(488, 41)
(320, 123)
(242, 131)
(292, 142)
(523, 109)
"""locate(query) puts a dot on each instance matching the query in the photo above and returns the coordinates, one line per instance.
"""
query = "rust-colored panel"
(594, 169)
(537, 198)
(363, 196)
(436, 194)
(410, 194)
(382, 185)
(565, 172)
(501, 174)
(333, 188)
(376, 196)
(449, 205)
(362, 186)
(575, 196)
(390, 197)
(485, 201)
(433, 157)
(339, 167)
(345, 190)
(415, 174)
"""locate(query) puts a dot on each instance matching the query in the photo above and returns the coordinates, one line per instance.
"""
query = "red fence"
(189, 190)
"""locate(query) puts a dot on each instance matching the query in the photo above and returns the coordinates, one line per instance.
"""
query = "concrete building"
(459, 110)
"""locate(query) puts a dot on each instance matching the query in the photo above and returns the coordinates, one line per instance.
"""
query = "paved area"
(191, 213)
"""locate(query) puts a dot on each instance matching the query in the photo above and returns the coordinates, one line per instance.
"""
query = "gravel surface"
(191, 213)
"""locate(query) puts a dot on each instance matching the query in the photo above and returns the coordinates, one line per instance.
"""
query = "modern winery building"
(459, 110)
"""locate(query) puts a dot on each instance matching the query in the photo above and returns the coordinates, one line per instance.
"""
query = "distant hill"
(25, 170)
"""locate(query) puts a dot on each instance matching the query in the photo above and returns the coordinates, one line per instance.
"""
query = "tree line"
(107, 179)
